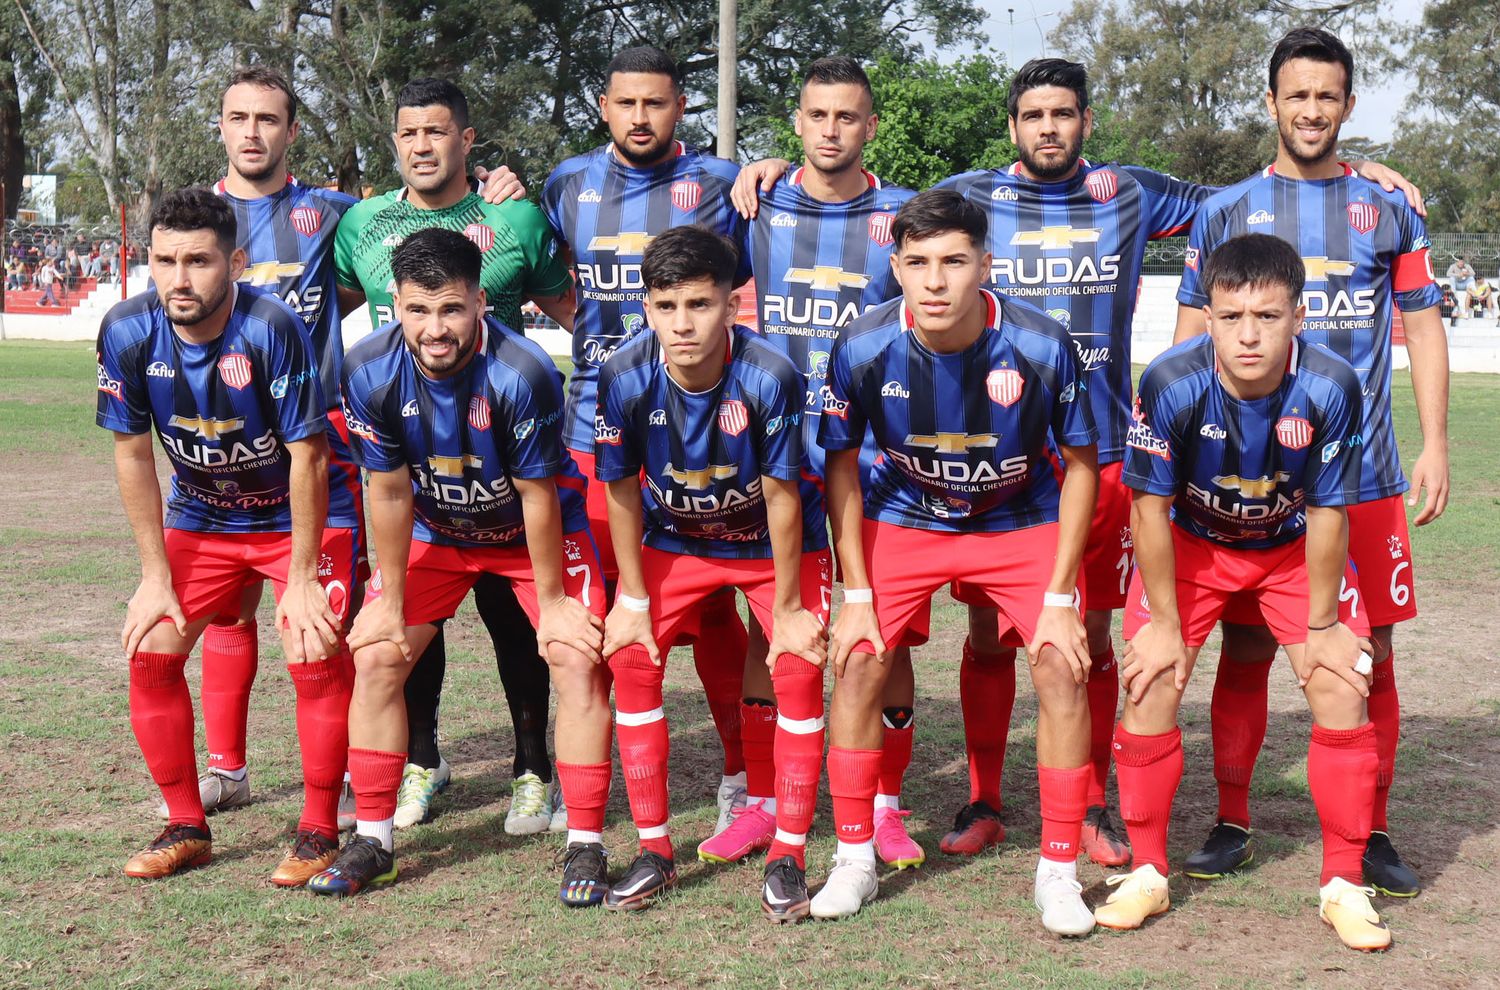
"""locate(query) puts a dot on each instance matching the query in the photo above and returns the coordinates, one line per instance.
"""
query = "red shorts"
(1109, 555)
(1009, 571)
(597, 507)
(341, 465)
(210, 569)
(1272, 580)
(439, 577)
(680, 582)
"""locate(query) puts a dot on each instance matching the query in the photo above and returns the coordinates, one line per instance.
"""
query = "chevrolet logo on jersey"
(1056, 238)
(827, 277)
(453, 467)
(629, 244)
(1251, 487)
(702, 478)
(953, 443)
(1319, 268)
(208, 429)
(271, 272)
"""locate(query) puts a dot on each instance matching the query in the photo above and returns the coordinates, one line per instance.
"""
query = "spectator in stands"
(46, 280)
(53, 251)
(17, 250)
(1461, 275)
(1448, 305)
(94, 263)
(1481, 298)
(15, 273)
(109, 254)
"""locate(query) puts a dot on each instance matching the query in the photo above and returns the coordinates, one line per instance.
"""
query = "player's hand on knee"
(1155, 650)
(754, 180)
(1062, 628)
(569, 622)
(380, 621)
(629, 627)
(312, 628)
(499, 185)
(856, 624)
(800, 632)
(153, 601)
(1337, 650)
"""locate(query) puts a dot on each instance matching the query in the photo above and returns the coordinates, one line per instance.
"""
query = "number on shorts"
(1400, 591)
(1351, 595)
(583, 569)
(825, 596)
(1123, 566)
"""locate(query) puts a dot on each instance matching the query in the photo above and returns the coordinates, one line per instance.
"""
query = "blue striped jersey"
(607, 212)
(1074, 249)
(1242, 470)
(964, 438)
(288, 238)
(224, 411)
(1363, 249)
(463, 438)
(701, 455)
(817, 266)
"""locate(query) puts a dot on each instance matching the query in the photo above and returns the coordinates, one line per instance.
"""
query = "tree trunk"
(12, 140)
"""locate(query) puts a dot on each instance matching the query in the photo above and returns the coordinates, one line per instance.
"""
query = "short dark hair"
(646, 59)
(685, 254)
(435, 257)
(939, 211)
(195, 208)
(1253, 260)
(431, 92)
(1041, 72)
(1317, 45)
(833, 70)
(267, 77)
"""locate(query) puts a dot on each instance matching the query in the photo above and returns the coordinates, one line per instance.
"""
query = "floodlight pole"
(728, 60)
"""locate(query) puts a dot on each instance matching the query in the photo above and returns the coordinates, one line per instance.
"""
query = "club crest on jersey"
(734, 418)
(1102, 185)
(306, 220)
(1363, 217)
(1004, 386)
(235, 370)
(482, 236)
(686, 195)
(1294, 432)
(880, 228)
(479, 413)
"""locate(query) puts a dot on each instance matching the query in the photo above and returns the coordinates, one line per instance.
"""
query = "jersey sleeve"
(1334, 468)
(551, 208)
(1150, 464)
(533, 435)
(1412, 280)
(844, 420)
(297, 404)
(123, 405)
(1190, 292)
(1072, 417)
(372, 440)
(616, 449)
(344, 239)
(779, 445)
(546, 275)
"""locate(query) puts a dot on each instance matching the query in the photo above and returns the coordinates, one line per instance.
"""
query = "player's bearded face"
(254, 123)
(431, 148)
(1252, 329)
(1309, 106)
(193, 272)
(1048, 131)
(442, 327)
(940, 278)
(835, 123)
(642, 110)
(692, 322)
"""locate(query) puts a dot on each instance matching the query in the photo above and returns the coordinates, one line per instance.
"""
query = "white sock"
(1053, 867)
(579, 835)
(239, 773)
(859, 851)
(892, 801)
(768, 805)
(383, 830)
(733, 779)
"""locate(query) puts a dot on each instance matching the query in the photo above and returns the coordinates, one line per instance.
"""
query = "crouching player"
(1241, 463)
(456, 418)
(709, 416)
(963, 389)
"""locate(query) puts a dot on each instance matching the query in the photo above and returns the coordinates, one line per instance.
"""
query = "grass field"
(476, 907)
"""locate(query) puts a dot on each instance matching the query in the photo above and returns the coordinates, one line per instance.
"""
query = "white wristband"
(859, 596)
(1052, 599)
(633, 604)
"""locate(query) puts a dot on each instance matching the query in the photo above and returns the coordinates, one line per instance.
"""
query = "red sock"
(161, 713)
(1385, 713)
(799, 752)
(1064, 795)
(585, 789)
(641, 727)
(323, 734)
(1104, 699)
(375, 775)
(1341, 768)
(1238, 724)
(987, 694)
(719, 657)
(1149, 768)
(230, 657)
(852, 777)
(758, 742)
(895, 752)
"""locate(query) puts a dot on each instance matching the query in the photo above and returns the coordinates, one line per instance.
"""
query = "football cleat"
(530, 806)
(975, 828)
(1103, 839)
(731, 795)
(312, 853)
(219, 793)
(1347, 908)
(559, 822)
(892, 844)
(1141, 894)
(1227, 849)
(418, 787)
(585, 879)
(347, 817)
(1385, 871)
(1060, 899)
(178, 847)
(850, 886)
(648, 877)
(783, 895)
(752, 829)
(363, 863)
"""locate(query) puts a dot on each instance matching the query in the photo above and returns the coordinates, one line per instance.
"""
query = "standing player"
(455, 416)
(709, 415)
(964, 391)
(1242, 458)
(606, 206)
(225, 375)
(1363, 249)
(432, 139)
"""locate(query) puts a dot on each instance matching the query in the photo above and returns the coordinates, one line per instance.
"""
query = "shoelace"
(738, 814)
(415, 786)
(173, 834)
(528, 797)
(892, 820)
(1074, 885)
(567, 855)
(358, 855)
(312, 845)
